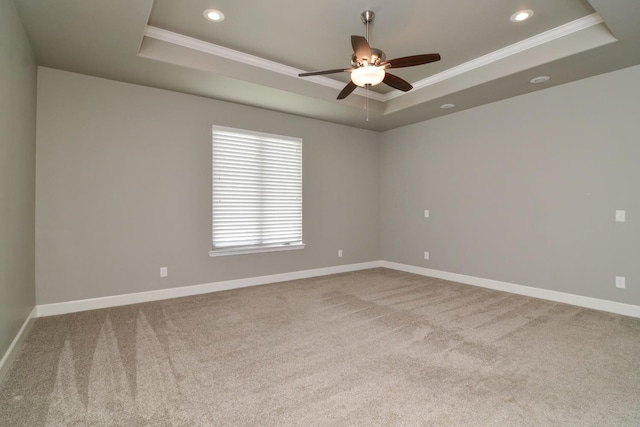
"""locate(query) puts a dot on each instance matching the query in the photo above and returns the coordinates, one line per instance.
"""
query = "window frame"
(257, 137)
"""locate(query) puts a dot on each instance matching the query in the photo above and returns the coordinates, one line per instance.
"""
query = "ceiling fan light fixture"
(369, 65)
(367, 75)
(522, 15)
(213, 15)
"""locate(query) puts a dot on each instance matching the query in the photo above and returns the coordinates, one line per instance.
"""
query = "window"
(257, 192)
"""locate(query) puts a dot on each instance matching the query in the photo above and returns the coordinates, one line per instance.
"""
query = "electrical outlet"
(426, 255)
(164, 272)
(339, 253)
(426, 213)
(621, 282)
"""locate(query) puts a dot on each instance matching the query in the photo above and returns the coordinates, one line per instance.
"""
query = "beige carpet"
(376, 347)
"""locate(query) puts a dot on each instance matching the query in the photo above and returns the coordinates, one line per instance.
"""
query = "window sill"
(255, 250)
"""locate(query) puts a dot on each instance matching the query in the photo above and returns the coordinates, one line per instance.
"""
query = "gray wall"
(17, 175)
(523, 190)
(124, 188)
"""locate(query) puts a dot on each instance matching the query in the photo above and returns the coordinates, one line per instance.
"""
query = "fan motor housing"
(377, 56)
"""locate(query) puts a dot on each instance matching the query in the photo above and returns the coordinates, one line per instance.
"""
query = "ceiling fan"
(369, 65)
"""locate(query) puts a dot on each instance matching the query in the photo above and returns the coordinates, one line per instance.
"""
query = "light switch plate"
(621, 216)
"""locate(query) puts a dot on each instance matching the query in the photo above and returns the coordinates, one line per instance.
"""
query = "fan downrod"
(377, 56)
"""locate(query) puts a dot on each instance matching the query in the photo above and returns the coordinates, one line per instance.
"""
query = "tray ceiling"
(254, 55)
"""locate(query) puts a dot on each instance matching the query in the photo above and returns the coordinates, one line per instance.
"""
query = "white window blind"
(257, 192)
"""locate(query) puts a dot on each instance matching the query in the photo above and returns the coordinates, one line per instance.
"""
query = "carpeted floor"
(375, 347)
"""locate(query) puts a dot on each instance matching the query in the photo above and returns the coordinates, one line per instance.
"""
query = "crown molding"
(245, 58)
(255, 61)
(514, 49)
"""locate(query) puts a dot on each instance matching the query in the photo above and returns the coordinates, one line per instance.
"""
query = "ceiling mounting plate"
(367, 16)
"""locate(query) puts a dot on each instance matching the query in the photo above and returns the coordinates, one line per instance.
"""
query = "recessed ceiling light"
(447, 106)
(213, 15)
(522, 15)
(538, 80)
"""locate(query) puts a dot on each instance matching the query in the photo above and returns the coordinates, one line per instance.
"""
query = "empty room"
(218, 212)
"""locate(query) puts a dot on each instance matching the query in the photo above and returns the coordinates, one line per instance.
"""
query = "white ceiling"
(254, 55)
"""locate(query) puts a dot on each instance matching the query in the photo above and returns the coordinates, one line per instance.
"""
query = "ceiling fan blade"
(397, 83)
(350, 87)
(361, 47)
(410, 61)
(319, 73)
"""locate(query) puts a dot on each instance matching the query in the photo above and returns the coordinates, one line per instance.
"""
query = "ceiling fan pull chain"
(366, 101)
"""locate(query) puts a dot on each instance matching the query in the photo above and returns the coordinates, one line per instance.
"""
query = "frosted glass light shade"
(368, 75)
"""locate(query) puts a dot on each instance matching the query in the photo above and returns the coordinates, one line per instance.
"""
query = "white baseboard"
(16, 344)
(581, 301)
(161, 294)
